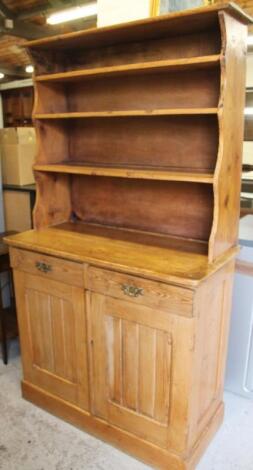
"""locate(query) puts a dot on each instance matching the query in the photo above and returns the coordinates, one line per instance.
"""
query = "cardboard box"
(17, 135)
(248, 152)
(17, 210)
(17, 161)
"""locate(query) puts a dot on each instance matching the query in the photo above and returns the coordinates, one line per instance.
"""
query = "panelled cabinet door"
(53, 336)
(140, 369)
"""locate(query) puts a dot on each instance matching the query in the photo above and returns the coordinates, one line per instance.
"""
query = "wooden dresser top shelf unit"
(164, 165)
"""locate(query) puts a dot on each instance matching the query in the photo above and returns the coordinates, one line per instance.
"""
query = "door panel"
(134, 385)
(53, 336)
(134, 365)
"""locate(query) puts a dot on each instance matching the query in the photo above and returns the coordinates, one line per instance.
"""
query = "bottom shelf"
(136, 236)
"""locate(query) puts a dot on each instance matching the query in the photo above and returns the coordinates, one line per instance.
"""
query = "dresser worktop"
(167, 265)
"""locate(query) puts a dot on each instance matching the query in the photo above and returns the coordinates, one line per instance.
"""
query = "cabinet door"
(140, 369)
(53, 336)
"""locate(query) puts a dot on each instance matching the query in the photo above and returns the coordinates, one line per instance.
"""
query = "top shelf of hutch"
(138, 68)
(183, 22)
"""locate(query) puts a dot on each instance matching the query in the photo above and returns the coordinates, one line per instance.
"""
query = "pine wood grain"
(126, 173)
(224, 232)
(152, 294)
(174, 21)
(172, 266)
(145, 67)
(200, 43)
(147, 205)
(134, 410)
(58, 270)
(51, 315)
(213, 304)
(53, 203)
(145, 451)
(126, 334)
(192, 142)
(134, 112)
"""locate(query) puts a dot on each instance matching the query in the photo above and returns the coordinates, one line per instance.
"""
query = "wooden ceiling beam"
(15, 27)
(33, 12)
(5, 11)
(13, 24)
(46, 10)
(13, 71)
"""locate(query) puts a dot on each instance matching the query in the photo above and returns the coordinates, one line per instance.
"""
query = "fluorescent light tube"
(73, 14)
(1, 75)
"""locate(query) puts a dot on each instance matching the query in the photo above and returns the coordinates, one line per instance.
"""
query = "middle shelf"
(128, 113)
(187, 63)
(137, 172)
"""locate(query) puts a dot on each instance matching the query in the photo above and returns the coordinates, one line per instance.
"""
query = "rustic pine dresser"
(124, 287)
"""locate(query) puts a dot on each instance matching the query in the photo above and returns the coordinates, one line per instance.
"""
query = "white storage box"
(239, 372)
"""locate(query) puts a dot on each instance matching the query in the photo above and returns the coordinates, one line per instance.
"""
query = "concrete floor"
(31, 439)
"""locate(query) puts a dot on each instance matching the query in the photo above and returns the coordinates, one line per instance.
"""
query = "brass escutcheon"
(132, 291)
(43, 267)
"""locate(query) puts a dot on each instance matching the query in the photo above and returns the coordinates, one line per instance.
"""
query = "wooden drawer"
(140, 291)
(49, 267)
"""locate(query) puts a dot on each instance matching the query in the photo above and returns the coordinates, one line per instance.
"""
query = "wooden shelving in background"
(17, 106)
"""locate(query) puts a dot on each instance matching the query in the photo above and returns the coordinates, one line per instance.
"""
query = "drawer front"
(49, 267)
(161, 296)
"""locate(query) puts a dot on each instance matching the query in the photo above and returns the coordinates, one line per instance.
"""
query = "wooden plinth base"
(145, 451)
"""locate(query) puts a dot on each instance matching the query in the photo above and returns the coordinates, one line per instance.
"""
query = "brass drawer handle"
(132, 291)
(43, 267)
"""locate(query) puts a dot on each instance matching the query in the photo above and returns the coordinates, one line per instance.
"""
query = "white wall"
(121, 11)
(248, 146)
(249, 70)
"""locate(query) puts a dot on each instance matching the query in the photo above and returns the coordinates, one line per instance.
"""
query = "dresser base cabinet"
(135, 361)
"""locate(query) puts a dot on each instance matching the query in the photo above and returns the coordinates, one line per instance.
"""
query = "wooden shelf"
(129, 113)
(174, 23)
(138, 68)
(126, 172)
